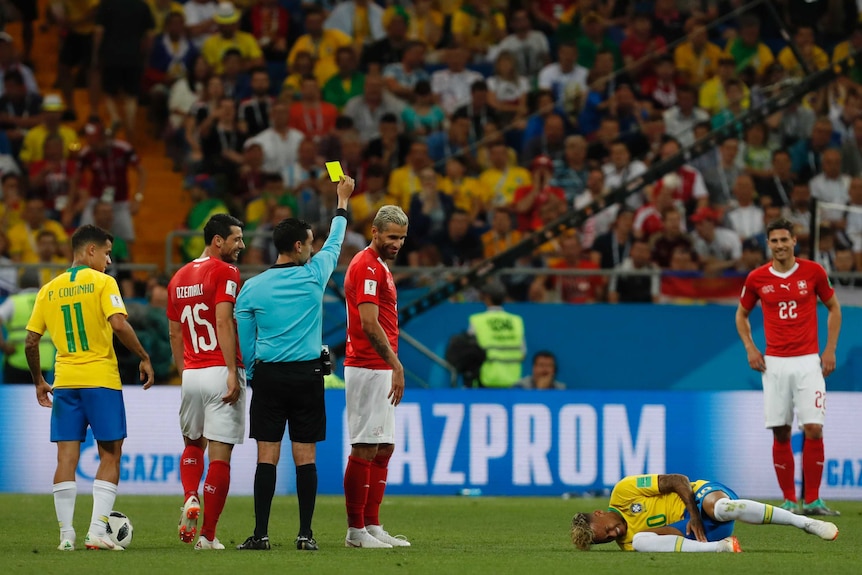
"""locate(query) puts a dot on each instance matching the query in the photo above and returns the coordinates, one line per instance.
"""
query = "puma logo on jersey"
(372, 270)
(785, 286)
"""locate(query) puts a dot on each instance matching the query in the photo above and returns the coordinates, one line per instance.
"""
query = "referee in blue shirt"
(279, 316)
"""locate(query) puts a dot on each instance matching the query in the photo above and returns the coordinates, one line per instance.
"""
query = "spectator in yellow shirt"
(364, 206)
(477, 27)
(321, 44)
(502, 179)
(814, 56)
(404, 181)
(361, 20)
(468, 193)
(34, 141)
(24, 236)
(160, 9)
(425, 24)
(713, 98)
(697, 59)
(229, 37)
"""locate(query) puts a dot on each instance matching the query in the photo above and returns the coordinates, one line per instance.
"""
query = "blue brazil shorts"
(714, 530)
(100, 408)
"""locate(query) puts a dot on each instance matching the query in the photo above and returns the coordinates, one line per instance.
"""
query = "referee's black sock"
(264, 489)
(306, 493)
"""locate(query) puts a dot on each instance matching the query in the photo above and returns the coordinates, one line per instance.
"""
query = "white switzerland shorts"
(370, 414)
(794, 382)
(203, 413)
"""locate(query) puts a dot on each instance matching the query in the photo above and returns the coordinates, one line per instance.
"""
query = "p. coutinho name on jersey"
(196, 290)
(77, 289)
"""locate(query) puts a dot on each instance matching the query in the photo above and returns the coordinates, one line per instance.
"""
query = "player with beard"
(201, 298)
(793, 372)
(374, 379)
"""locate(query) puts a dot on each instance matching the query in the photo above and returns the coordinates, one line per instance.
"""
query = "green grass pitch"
(450, 535)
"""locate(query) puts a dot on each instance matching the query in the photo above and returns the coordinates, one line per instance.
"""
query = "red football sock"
(191, 469)
(216, 486)
(357, 477)
(782, 458)
(376, 487)
(812, 468)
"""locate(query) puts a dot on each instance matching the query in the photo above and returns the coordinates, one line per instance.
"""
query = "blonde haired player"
(82, 309)
(669, 513)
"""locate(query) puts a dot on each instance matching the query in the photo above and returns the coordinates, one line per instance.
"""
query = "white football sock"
(749, 511)
(104, 495)
(649, 542)
(65, 493)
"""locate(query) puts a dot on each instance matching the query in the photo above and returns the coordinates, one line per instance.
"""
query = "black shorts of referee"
(288, 394)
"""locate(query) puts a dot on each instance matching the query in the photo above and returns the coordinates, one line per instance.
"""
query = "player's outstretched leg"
(376, 490)
(757, 513)
(65, 493)
(649, 542)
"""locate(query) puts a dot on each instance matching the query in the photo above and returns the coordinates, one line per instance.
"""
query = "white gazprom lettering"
(623, 455)
(411, 453)
(578, 445)
(531, 442)
(195, 290)
(443, 474)
(489, 438)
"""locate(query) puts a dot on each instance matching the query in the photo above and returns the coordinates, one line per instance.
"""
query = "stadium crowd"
(482, 119)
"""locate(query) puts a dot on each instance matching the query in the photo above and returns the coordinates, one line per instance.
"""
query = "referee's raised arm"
(279, 317)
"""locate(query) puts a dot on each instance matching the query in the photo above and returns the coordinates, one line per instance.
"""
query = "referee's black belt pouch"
(291, 369)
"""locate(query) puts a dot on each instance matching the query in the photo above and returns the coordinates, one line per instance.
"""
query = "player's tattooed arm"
(382, 347)
(681, 486)
(31, 352)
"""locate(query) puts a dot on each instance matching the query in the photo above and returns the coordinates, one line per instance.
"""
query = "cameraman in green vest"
(501, 335)
(14, 314)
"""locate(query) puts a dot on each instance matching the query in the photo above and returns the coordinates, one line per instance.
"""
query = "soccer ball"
(119, 529)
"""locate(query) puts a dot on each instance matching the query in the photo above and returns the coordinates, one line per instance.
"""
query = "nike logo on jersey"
(785, 286)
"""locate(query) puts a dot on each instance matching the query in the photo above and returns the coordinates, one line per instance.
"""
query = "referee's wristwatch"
(341, 212)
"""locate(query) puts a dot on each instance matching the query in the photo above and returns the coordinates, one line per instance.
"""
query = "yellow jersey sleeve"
(36, 323)
(112, 301)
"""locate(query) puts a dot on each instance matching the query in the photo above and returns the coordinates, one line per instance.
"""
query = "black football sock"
(306, 493)
(264, 489)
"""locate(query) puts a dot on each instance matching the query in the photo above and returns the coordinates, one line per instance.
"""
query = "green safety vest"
(22, 307)
(501, 335)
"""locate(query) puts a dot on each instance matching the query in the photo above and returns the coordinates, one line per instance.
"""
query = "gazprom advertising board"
(501, 442)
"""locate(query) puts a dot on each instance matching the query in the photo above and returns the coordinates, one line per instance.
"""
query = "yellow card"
(335, 171)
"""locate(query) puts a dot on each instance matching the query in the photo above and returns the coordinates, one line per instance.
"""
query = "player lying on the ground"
(669, 513)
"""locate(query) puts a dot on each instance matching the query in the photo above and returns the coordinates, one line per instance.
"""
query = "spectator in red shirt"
(640, 46)
(51, 177)
(660, 87)
(268, 23)
(107, 161)
(569, 289)
(312, 116)
(528, 200)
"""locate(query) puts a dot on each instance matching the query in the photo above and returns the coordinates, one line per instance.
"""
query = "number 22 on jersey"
(191, 317)
(787, 310)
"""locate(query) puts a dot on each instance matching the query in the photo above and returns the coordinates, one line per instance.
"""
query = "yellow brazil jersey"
(841, 51)
(476, 28)
(23, 240)
(323, 52)
(469, 194)
(74, 308)
(76, 14)
(643, 507)
(697, 68)
(417, 29)
(501, 186)
(160, 14)
(403, 183)
(216, 45)
(789, 62)
(34, 143)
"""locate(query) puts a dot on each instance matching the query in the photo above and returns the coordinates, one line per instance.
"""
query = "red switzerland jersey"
(789, 302)
(368, 280)
(109, 170)
(193, 294)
